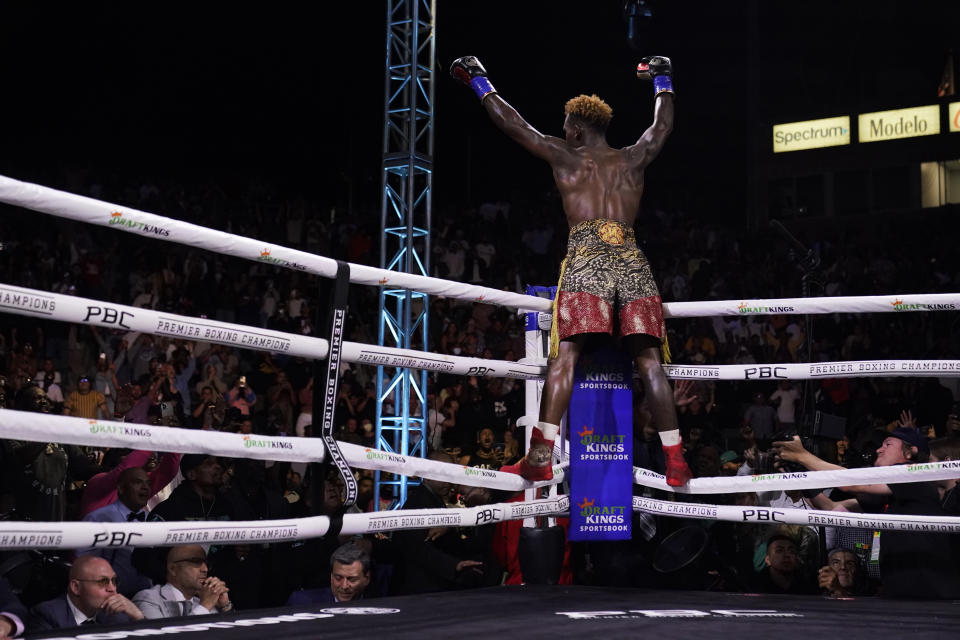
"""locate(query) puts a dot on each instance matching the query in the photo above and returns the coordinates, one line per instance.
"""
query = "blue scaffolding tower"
(405, 230)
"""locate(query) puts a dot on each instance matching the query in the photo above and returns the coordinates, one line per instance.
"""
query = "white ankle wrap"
(670, 438)
(548, 430)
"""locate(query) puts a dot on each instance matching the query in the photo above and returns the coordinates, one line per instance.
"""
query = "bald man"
(189, 590)
(91, 598)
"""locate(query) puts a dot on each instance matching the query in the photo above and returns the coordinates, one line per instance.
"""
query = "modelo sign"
(811, 134)
(899, 123)
(954, 110)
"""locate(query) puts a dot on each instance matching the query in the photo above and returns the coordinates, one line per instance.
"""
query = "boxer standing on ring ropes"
(603, 270)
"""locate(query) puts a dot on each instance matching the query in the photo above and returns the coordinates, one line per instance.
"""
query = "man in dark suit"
(12, 612)
(442, 558)
(91, 598)
(349, 578)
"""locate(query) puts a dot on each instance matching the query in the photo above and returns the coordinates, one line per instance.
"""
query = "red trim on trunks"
(644, 315)
(581, 312)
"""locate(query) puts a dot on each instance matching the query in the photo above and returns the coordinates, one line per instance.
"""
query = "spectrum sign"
(811, 134)
(899, 123)
(953, 109)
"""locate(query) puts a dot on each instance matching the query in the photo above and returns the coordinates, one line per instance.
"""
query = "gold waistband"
(610, 231)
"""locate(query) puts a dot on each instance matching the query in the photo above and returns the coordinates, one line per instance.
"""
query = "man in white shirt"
(189, 591)
(49, 384)
(785, 399)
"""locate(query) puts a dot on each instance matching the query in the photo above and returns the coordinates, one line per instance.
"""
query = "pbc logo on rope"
(761, 373)
(114, 539)
(480, 371)
(488, 515)
(108, 315)
(762, 515)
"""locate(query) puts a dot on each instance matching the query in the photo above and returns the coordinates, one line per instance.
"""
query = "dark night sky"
(298, 93)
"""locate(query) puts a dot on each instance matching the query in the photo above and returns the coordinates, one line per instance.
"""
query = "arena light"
(811, 134)
(899, 123)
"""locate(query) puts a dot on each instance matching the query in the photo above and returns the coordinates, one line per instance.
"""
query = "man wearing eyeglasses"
(91, 598)
(189, 590)
(86, 402)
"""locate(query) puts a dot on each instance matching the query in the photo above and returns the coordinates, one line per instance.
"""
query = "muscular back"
(594, 180)
(599, 183)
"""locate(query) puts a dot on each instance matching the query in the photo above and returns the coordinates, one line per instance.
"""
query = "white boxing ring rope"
(40, 427)
(809, 517)
(83, 209)
(57, 306)
(43, 428)
(799, 480)
(74, 309)
(80, 535)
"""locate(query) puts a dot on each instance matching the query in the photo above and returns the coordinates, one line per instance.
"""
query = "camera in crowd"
(770, 461)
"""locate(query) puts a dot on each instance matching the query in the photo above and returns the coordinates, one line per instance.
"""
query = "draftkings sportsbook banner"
(600, 424)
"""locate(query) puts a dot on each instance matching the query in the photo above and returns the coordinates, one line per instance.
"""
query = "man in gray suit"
(189, 591)
(91, 598)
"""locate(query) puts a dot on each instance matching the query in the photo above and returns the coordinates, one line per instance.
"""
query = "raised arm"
(469, 71)
(505, 117)
(793, 451)
(660, 70)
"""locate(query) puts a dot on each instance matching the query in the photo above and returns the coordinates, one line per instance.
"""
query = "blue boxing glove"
(660, 70)
(469, 71)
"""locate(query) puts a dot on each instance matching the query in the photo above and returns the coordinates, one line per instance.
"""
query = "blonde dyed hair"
(590, 110)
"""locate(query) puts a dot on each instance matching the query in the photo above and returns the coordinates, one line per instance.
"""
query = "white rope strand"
(796, 481)
(41, 427)
(83, 209)
(82, 535)
(811, 517)
(892, 303)
(816, 370)
(55, 306)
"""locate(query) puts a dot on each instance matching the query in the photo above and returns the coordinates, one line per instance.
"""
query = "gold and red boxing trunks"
(603, 271)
